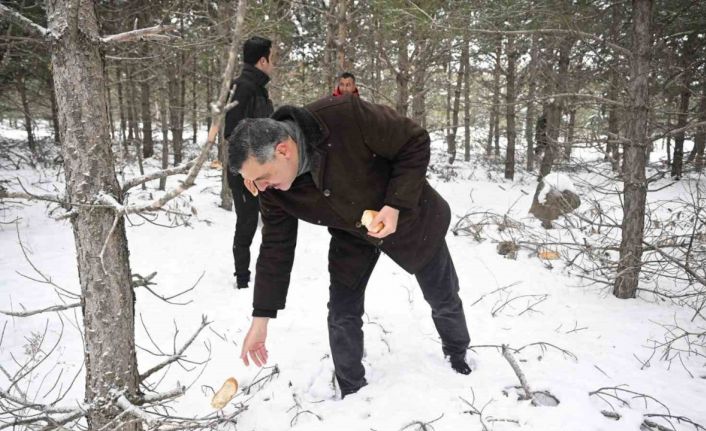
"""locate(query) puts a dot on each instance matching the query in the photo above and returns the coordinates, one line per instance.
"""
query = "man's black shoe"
(460, 366)
(242, 285)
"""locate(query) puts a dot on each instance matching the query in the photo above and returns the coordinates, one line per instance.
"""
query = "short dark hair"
(346, 75)
(255, 48)
(254, 137)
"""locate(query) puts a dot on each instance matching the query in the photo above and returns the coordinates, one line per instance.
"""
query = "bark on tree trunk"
(174, 115)
(451, 136)
(635, 183)
(145, 93)
(556, 108)
(226, 194)
(510, 108)
(130, 108)
(496, 95)
(342, 35)
(330, 46)
(208, 95)
(55, 112)
(612, 146)
(449, 91)
(697, 154)
(531, 94)
(466, 99)
(22, 89)
(164, 120)
(491, 130)
(121, 107)
(419, 93)
(689, 52)
(101, 244)
(568, 145)
(402, 79)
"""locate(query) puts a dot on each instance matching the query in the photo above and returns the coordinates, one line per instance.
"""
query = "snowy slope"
(408, 378)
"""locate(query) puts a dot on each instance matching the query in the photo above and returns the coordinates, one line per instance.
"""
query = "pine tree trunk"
(510, 108)
(342, 35)
(164, 120)
(635, 183)
(104, 275)
(55, 112)
(121, 106)
(146, 96)
(22, 90)
(569, 144)
(226, 194)
(402, 79)
(612, 146)
(531, 94)
(208, 95)
(330, 46)
(174, 115)
(697, 154)
(466, 99)
(451, 136)
(130, 107)
(194, 118)
(182, 94)
(496, 95)
(491, 130)
(689, 52)
(419, 93)
(555, 109)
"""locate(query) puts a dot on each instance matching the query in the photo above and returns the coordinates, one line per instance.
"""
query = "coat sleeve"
(274, 263)
(404, 143)
(244, 94)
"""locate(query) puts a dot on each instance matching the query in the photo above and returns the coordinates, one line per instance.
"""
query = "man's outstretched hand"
(254, 343)
(388, 216)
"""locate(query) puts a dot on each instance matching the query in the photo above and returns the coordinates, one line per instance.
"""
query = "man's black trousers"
(247, 210)
(439, 285)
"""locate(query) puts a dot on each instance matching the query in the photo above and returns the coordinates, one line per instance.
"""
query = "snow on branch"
(23, 21)
(150, 33)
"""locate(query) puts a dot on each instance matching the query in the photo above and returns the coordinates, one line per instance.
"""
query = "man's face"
(346, 85)
(278, 173)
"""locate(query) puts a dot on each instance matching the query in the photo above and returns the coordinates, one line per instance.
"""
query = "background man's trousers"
(247, 210)
(439, 285)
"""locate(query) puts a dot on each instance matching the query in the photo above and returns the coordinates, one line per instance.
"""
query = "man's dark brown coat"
(363, 156)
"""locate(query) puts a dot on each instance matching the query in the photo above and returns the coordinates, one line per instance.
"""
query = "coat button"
(380, 243)
(358, 224)
(327, 192)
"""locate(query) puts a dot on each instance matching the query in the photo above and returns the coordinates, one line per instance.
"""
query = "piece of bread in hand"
(367, 220)
(225, 393)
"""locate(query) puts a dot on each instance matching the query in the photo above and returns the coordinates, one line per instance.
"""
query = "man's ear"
(284, 148)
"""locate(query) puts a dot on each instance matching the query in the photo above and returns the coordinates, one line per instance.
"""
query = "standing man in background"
(253, 102)
(346, 85)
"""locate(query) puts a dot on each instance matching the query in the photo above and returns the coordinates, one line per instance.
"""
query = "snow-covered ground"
(408, 378)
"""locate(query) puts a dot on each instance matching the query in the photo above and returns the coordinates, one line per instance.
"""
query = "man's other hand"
(388, 217)
(254, 343)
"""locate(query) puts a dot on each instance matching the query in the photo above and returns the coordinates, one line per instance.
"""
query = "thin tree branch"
(157, 175)
(43, 310)
(150, 33)
(177, 354)
(23, 21)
